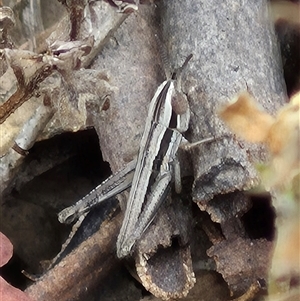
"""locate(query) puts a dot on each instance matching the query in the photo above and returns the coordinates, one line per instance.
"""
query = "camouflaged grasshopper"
(151, 173)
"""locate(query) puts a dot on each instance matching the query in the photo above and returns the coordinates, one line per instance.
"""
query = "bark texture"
(235, 49)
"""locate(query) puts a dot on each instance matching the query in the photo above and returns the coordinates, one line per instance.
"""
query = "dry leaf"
(246, 120)
(283, 141)
(281, 134)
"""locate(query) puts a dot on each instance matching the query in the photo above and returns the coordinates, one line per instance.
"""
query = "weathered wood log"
(235, 49)
(83, 269)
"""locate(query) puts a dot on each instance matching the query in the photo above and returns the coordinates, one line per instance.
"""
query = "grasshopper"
(151, 173)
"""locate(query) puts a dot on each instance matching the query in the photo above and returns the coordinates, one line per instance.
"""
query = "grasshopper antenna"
(178, 73)
(164, 57)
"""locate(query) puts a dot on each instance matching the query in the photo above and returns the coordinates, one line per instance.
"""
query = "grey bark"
(235, 49)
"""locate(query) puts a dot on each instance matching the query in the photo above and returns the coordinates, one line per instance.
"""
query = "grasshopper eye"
(179, 103)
